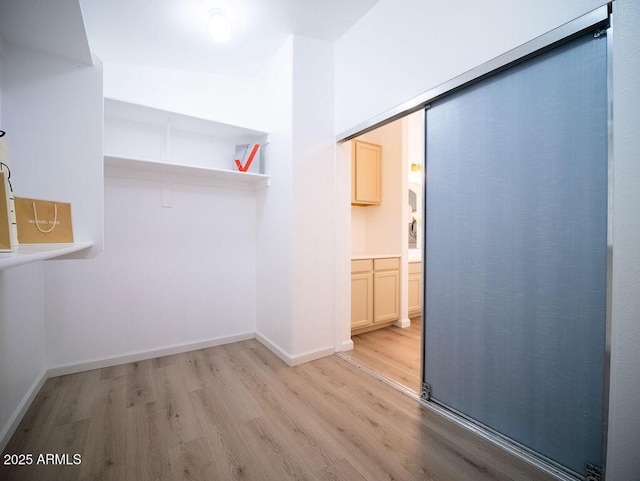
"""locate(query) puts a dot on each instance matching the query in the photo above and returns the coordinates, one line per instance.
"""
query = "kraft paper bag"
(43, 221)
(7, 240)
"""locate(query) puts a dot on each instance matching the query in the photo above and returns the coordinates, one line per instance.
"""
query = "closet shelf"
(31, 253)
(116, 166)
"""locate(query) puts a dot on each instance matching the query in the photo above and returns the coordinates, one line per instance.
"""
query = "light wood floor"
(393, 352)
(237, 412)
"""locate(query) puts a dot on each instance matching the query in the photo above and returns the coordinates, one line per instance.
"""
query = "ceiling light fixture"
(219, 25)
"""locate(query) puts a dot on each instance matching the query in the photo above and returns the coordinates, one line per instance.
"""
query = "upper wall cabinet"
(366, 173)
(141, 141)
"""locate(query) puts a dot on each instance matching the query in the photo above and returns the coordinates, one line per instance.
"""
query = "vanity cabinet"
(375, 293)
(366, 173)
(361, 293)
(415, 289)
(386, 290)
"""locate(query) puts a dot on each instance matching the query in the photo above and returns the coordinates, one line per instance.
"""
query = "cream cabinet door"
(366, 173)
(361, 299)
(386, 295)
(415, 294)
(415, 288)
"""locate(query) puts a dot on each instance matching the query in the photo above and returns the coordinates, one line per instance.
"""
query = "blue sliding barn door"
(516, 252)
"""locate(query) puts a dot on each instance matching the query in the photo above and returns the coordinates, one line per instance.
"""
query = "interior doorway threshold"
(381, 377)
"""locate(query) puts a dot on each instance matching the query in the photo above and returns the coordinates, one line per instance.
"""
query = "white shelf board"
(119, 109)
(25, 254)
(116, 166)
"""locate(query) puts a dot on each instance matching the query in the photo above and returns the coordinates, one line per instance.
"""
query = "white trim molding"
(73, 368)
(18, 414)
(402, 323)
(295, 359)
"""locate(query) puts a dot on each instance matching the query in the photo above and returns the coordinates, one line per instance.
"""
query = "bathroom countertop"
(378, 256)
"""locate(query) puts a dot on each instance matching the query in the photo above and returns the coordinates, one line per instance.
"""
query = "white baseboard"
(273, 347)
(294, 359)
(73, 368)
(312, 355)
(18, 414)
(346, 346)
(403, 323)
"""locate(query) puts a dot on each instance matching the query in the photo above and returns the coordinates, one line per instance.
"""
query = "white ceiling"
(173, 33)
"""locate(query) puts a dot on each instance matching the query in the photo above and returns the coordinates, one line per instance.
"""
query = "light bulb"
(219, 25)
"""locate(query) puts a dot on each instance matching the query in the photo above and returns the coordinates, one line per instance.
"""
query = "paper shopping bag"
(43, 221)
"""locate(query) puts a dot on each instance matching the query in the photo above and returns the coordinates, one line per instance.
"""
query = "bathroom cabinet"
(375, 293)
(415, 289)
(361, 293)
(366, 173)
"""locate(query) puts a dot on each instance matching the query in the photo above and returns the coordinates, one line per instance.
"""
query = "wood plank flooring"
(391, 351)
(236, 412)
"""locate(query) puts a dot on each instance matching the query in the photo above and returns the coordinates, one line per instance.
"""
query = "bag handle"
(55, 218)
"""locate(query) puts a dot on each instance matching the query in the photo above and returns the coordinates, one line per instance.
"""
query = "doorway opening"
(387, 250)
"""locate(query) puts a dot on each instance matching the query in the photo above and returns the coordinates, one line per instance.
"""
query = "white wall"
(249, 274)
(313, 198)
(22, 343)
(402, 48)
(233, 100)
(264, 102)
(295, 300)
(185, 275)
(358, 230)
(377, 230)
(343, 247)
(275, 208)
(168, 276)
(52, 111)
(427, 43)
(22, 360)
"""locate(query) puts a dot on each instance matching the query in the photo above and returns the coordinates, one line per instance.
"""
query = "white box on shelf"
(249, 158)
